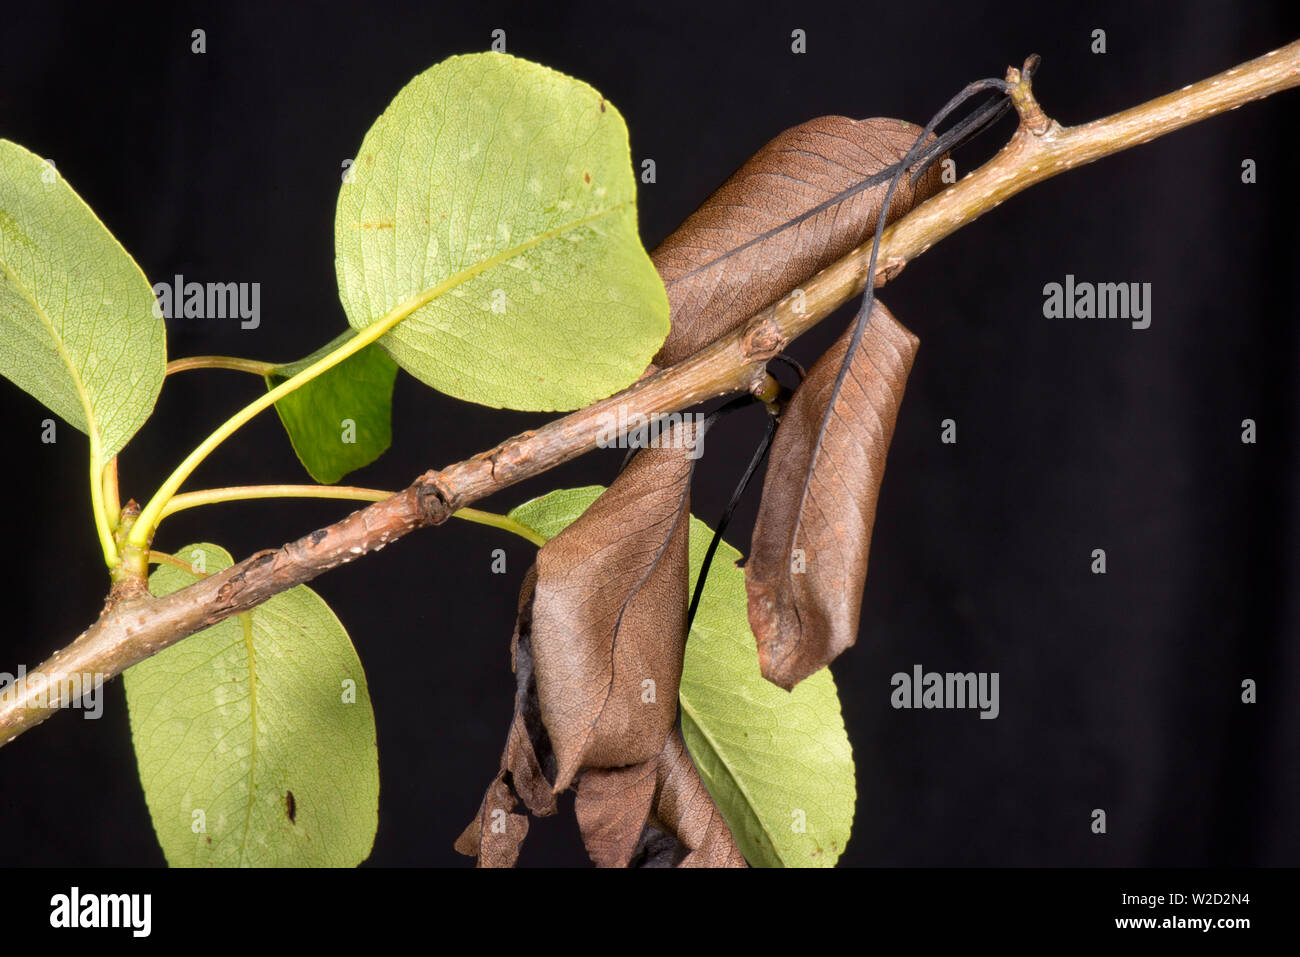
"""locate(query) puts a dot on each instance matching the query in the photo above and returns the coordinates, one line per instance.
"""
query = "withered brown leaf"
(654, 814)
(609, 614)
(808, 561)
(802, 201)
(497, 832)
(527, 763)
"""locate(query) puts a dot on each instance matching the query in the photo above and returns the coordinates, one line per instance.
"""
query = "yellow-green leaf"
(255, 738)
(495, 199)
(77, 323)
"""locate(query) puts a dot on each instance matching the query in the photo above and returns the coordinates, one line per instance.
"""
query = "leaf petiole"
(112, 502)
(162, 558)
(239, 493)
(99, 504)
(255, 366)
(504, 522)
(151, 514)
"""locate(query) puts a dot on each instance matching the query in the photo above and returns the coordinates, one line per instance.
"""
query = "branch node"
(889, 270)
(252, 563)
(435, 501)
(125, 591)
(1032, 117)
(762, 340)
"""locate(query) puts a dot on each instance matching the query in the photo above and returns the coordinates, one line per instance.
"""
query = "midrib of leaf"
(246, 623)
(422, 299)
(843, 195)
(740, 785)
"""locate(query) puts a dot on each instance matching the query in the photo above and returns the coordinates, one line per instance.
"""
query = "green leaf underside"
(507, 188)
(77, 329)
(772, 760)
(358, 390)
(231, 720)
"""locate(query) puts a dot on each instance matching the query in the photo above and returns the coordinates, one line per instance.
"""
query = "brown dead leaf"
(654, 814)
(747, 245)
(609, 616)
(495, 835)
(527, 763)
(808, 561)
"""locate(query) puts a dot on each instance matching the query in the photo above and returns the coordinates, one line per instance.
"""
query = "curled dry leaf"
(609, 615)
(527, 763)
(497, 833)
(608, 618)
(804, 200)
(808, 560)
(654, 814)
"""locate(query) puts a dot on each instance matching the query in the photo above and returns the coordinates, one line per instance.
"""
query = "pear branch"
(135, 625)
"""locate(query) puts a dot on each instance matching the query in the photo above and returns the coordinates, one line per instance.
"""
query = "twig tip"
(1032, 117)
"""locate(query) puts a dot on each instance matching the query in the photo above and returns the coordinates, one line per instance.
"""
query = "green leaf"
(552, 513)
(343, 418)
(230, 722)
(502, 192)
(773, 761)
(77, 327)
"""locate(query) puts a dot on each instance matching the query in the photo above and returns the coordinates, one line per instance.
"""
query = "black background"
(1119, 691)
